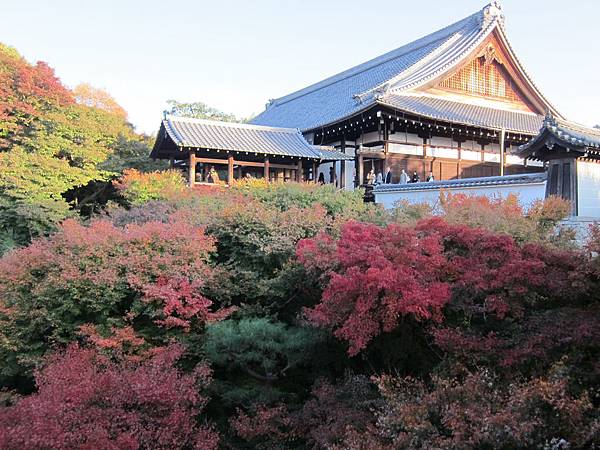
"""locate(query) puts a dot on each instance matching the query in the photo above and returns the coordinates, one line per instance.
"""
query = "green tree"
(51, 147)
(255, 358)
(199, 110)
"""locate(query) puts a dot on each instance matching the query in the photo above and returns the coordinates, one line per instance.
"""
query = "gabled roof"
(565, 135)
(520, 179)
(399, 71)
(464, 113)
(186, 132)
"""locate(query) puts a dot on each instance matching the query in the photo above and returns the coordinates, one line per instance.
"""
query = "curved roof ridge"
(570, 125)
(412, 78)
(429, 39)
(513, 54)
(229, 124)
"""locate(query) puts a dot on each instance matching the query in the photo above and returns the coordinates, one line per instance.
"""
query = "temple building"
(456, 103)
(213, 151)
(569, 152)
(455, 106)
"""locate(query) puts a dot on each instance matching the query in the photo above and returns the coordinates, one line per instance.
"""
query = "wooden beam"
(211, 160)
(267, 168)
(250, 163)
(230, 163)
(281, 166)
(192, 168)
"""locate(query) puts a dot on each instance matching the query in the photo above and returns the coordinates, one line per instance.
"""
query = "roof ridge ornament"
(549, 120)
(491, 12)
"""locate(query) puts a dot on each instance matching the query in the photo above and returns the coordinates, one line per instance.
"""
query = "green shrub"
(138, 188)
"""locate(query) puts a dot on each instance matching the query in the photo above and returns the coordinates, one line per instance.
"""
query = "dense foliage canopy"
(272, 316)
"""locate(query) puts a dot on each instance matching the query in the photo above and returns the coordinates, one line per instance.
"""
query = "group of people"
(387, 178)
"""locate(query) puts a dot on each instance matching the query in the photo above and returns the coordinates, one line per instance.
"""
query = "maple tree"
(88, 400)
(88, 95)
(149, 276)
(52, 149)
(374, 277)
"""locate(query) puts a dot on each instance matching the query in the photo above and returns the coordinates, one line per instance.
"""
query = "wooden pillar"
(314, 171)
(482, 152)
(502, 150)
(267, 168)
(192, 168)
(334, 166)
(299, 171)
(230, 170)
(343, 164)
(171, 162)
(424, 146)
(459, 166)
(361, 169)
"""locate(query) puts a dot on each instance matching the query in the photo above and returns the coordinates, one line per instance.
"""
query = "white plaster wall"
(443, 152)
(494, 147)
(588, 189)
(534, 163)
(528, 193)
(406, 149)
(470, 155)
(491, 157)
(514, 159)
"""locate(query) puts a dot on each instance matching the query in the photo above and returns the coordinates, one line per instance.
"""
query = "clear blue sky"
(235, 55)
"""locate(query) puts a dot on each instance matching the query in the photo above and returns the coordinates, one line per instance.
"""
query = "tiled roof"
(464, 113)
(566, 134)
(398, 71)
(526, 178)
(228, 136)
(328, 153)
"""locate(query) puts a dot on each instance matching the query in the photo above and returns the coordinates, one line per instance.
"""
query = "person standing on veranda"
(404, 178)
(388, 175)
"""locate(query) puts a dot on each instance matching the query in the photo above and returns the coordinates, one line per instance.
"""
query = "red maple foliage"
(182, 303)
(26, 91)
(86, 400)
(374, 276)
(380, 275)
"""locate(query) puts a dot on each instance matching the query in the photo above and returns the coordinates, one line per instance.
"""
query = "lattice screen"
(480, 78)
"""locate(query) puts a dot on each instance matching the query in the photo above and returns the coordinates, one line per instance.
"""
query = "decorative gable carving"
(485, 76)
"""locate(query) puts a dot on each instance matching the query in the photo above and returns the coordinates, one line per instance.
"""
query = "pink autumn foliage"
(86, 400)
(102, 254)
